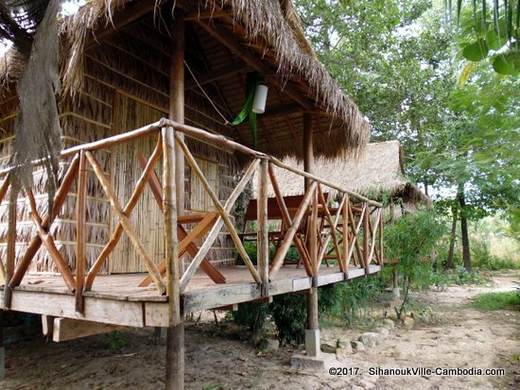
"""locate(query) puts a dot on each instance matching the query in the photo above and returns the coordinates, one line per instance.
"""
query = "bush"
(289, 313)
(482, 258)
(412, 241)
(253, 315)
(497, 301)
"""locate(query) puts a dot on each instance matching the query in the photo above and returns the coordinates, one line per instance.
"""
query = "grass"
(509, 300)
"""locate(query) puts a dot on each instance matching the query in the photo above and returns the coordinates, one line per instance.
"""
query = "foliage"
(411, 241)
(483, 259)
(253, 315)
(116, 341)
(347, 300)
(490, 31)
(289, 313)
(497, 301)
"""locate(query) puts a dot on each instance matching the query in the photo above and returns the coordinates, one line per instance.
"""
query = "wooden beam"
(366, 237)
(215, 75)
(229, 40)
(65, 329)
(125, 222)
(212, 235)
(148, 167)
(36, 242)
(221, 210)
(205, 15)
(287, 221)
(155, 187)
(289, 236)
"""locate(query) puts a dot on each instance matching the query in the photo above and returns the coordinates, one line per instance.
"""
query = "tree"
(490, 30)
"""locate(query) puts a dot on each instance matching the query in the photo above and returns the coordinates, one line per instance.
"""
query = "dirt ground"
(459, 336)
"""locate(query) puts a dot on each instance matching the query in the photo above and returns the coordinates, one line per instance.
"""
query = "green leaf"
(494, 41)
(476, 51)
(507, 64)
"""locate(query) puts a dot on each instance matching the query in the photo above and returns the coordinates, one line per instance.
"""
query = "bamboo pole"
(125, 222)
(36, 242)
(289, 235)
(346, 240)
(11, 245)
(173, 192)
(286, 219)
(220, 209)
(215, 230)
(263, 231)
(81, 235)
(130, 205)
(366, 235)
(381, 241)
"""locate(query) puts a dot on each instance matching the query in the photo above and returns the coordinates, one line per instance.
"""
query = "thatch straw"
(274, 22)
(378, 171)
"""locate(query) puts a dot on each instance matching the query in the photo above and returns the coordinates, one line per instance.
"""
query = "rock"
(383, 331)
(365, 384)
(328, 348)
(370, 339)
(388, 323)
(344, 352)
(343, 343)
(408, 323)
(269, 345)
(357, 346)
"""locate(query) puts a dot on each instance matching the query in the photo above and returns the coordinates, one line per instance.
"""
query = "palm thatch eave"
(274, 22)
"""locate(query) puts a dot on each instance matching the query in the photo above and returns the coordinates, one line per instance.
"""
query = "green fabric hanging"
(252, 80)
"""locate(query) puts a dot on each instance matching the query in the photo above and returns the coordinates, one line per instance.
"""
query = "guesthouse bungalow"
(143, 226)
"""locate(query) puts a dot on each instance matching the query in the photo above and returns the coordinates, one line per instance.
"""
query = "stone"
(343, 343)
(388, 323)
(357, 346)
(370, 339)
(328, 348)
(314, 363)
(344, 352)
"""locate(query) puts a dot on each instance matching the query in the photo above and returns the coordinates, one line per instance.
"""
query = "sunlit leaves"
(476, 51)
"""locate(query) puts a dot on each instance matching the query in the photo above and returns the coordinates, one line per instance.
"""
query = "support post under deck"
(312, 334)
(173, 182)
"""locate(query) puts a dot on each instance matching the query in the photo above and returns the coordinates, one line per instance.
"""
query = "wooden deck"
(115, 299)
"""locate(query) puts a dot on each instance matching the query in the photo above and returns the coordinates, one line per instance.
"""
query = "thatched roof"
(271, 31)
(378, 171)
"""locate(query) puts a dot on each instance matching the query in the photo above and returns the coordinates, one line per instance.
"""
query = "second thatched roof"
(378, 172)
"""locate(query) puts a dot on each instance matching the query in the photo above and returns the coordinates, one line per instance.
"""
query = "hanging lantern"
(260, 99)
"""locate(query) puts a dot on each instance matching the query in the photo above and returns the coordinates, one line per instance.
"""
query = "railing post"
(381, 240)
(11, 244)
(346, 205)
(80, 231)
(175, 332)
(263, 228)
(366, 237)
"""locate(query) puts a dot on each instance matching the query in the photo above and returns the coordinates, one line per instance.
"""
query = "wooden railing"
(351, 232)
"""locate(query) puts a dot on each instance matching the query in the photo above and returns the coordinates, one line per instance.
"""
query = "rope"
(226, 122)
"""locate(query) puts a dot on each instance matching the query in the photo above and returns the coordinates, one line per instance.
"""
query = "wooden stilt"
(262, 235)
(312, 337)
(173, 192)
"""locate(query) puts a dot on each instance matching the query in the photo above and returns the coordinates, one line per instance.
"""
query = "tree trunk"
(453, 237)
(466, 255)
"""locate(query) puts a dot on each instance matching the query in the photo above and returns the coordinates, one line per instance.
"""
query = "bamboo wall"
(123, 89)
